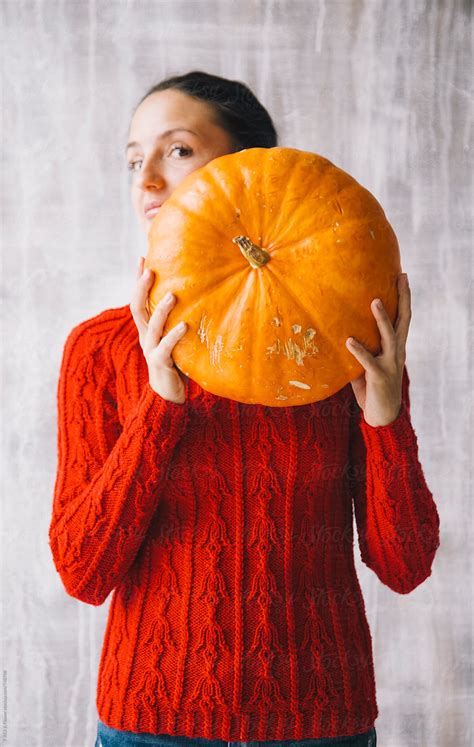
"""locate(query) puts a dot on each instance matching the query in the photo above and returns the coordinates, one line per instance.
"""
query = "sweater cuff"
(155, 413)
(392, 437)
(153, 398)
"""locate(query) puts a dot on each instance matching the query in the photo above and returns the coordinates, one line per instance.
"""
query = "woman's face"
(158, 162)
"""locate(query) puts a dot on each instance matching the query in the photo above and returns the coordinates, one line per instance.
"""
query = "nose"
(150, 177)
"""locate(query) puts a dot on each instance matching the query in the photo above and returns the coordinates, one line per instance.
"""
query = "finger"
(167, 343)
(157, 322)
(365, 358)
(387, 333)
(404, 311)
(138, 304)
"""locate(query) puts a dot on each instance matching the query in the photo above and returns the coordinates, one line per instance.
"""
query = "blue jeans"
(108, 737)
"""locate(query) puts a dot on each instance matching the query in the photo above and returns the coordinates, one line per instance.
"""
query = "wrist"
(386, 421)
(167, 399)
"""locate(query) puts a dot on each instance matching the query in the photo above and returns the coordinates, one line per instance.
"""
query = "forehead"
(164, 110)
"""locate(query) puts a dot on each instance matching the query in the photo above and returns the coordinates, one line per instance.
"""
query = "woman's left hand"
(378, 390)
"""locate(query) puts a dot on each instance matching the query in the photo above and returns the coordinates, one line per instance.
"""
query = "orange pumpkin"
(274, 256)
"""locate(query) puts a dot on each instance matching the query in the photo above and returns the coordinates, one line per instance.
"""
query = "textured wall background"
(381, 88)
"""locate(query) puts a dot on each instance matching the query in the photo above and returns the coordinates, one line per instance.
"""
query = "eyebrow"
(163, 135)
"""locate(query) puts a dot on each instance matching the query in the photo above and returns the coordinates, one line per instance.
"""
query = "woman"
(225, 529)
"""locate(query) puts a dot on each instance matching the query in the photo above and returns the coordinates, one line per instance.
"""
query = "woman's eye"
(180, 147)
(188, 151)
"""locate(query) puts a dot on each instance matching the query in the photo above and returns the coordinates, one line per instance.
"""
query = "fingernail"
(147, 273)
(378, 303)
(168, 297)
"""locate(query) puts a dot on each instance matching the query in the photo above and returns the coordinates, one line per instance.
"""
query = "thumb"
(141, 262)
(358, 387)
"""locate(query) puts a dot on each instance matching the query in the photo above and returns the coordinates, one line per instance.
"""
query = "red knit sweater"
(225, 531)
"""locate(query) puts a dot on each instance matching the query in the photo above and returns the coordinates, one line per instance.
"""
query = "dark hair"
(236, 109)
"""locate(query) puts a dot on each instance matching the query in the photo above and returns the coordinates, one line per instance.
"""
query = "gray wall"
(381, 88)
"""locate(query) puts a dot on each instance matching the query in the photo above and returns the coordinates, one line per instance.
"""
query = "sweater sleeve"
(109, 477)
(396, 516)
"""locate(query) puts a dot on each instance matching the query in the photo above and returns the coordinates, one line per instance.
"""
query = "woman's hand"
(164, 377)
(378, 390)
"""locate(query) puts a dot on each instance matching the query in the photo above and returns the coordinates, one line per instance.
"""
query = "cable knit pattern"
(225, 532)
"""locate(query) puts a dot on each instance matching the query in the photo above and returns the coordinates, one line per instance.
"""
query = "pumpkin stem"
(255, 254)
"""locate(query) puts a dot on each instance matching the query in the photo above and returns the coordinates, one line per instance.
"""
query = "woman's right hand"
(164, 377)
